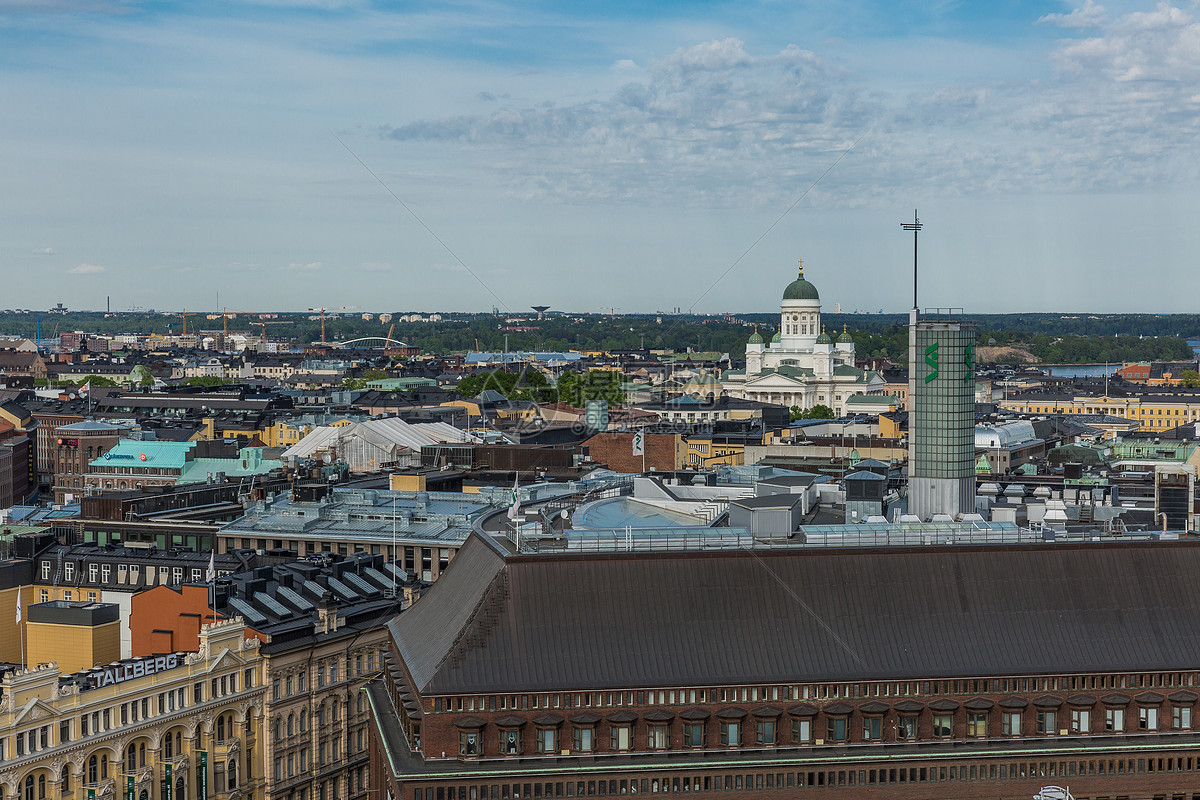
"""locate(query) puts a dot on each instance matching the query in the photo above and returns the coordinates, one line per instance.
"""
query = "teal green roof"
(845, 338)
(160, 455)
(248, 462)
(824, 338)
(755, 338)
(775, 338)
(800, 289)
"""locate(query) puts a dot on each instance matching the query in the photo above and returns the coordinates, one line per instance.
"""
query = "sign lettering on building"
(202, 776)
(931, 360)
(136, 669)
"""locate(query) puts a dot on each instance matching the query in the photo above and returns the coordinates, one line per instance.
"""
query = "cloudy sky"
(642, 155)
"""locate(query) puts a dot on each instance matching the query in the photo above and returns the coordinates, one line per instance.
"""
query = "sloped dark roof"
(560, 622)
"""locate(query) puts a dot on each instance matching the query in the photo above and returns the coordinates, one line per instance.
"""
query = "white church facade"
(802, 366)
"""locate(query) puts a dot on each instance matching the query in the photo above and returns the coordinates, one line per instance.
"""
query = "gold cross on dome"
(800, 261)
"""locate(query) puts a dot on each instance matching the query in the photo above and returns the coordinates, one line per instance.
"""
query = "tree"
(141, 375)
(1190, 378)
(205, 380)
(820, 411)
(576, 389)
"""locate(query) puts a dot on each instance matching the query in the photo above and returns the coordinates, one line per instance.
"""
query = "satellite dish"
(564, 513)
(326, 458)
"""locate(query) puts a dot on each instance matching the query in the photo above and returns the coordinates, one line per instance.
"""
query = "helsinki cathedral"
(803, 365)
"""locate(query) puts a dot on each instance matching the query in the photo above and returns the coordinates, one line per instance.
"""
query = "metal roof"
(548, 623)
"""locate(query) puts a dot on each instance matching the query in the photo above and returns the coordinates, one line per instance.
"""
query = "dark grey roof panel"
(427, 631)
(584, 621)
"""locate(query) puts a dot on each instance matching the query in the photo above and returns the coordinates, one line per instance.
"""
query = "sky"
(271, 155)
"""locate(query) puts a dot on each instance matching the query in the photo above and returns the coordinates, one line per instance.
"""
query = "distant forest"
(1050, 338)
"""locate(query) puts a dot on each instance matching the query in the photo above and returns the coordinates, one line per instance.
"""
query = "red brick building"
(971, 672)
(664, 451)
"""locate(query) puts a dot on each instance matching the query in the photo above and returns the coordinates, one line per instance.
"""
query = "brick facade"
(664, 451)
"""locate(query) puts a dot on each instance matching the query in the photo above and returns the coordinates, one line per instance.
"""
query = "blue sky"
(585, 155)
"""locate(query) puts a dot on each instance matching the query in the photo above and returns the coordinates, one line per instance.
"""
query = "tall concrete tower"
(941, 421)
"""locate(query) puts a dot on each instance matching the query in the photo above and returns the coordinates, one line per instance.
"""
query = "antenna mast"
(914, 226)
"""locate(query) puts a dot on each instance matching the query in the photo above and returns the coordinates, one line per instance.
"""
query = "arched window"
(41, 787)
(221, 728)
(65, 779)
(93, 774)
(291, 726)
(321, 716)
(278, 729)
(231, 772)
(142, 754)
(303, 720)
(169, 746)
(131, 758)
(29, 787)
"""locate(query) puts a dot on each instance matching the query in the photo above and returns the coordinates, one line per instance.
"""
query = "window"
(1114, 720)
(45, 570)
(546, 738)
(907, 728)
(730, 734)
(468, 743)
(1012, 723)
(943, 726)
(510, 743)
(275, 689)
(585, 739)
(693, 734)
(1047, 722)
(1181, 717)
(1148, 719)
(872, 729)
(838, 729)
(43, 596)
(977, 724)
(93, 573)
(621, 737)
(658, 737)
(1081, 720)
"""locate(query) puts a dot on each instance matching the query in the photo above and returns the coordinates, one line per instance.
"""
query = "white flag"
(639, 444)
(211, 574)
(514, 503)
(18, 606)
(83, 390)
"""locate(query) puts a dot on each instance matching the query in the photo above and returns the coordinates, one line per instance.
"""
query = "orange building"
(167, 619)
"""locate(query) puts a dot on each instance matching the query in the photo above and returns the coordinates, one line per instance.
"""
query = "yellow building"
(149, 728)
(76, 635)
(703, 451)
(1154, 412)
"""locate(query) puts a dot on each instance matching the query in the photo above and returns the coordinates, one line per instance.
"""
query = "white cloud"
(87, 269)
(309, 267)
(44, 251)
(708, 122)
(1089, 15)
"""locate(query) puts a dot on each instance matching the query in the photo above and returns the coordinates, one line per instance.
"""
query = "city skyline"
(629, 155)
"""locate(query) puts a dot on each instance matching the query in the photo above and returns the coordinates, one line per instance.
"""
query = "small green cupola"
(824, 337)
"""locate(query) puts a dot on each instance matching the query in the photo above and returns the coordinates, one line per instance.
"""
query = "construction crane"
(612, 310)
(185, 315)
(323, 310)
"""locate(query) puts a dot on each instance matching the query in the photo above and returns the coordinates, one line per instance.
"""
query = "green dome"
(800, 289)
(775, 338)
(755, 338)
(824, 338)
(845, 338)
